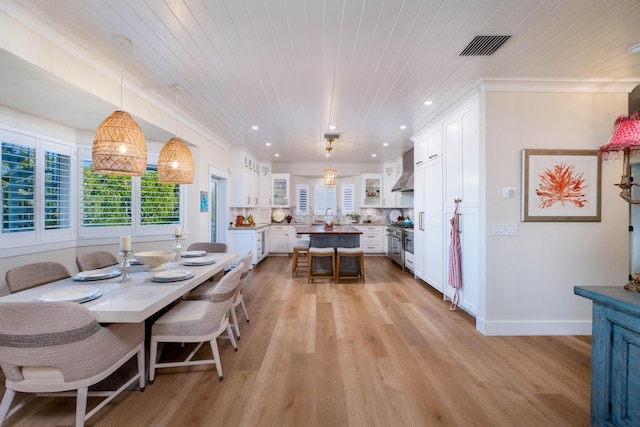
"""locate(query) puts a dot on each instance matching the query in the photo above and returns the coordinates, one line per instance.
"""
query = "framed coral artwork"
(561, 185)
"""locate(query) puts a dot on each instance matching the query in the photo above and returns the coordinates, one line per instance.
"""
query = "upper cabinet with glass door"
(280, 185)
(371, 190)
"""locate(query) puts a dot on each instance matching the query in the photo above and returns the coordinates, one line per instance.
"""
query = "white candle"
(177, 231)
(125, 243)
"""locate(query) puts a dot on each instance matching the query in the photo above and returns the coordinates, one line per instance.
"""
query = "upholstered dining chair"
(35, 274)
(95, 260)
(204, 292)
(56, 347)
(196, 322)
(209, 247)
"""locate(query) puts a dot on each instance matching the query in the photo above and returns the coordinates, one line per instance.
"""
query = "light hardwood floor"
(387, 353)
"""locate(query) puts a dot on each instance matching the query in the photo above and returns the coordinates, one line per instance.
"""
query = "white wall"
(530, 277)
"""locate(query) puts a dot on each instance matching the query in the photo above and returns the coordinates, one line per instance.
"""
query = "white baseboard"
(507, 328)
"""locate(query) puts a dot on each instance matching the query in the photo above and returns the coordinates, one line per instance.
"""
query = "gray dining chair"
(205, 290)
(35, 274)
(59, 347)
(95, 260)
(196, 322)
(209, 247)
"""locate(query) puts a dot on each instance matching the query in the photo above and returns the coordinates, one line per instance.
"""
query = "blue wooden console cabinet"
(615, 355)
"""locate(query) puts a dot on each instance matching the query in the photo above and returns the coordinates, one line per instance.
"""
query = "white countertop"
(135, 301)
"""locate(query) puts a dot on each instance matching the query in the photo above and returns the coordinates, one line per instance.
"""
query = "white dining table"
(137, 300)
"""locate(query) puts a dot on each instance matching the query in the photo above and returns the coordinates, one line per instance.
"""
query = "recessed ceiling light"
(254, 127)
(332, 127)
(268, 144)
(277, 155)
(403, 127)
(428, 102)
(373, 155)
(635, 49)
(385, 144)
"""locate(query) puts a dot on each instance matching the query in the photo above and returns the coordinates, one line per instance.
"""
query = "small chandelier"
(175, 164)
(119, 147)
(330, 174)
(626, 138)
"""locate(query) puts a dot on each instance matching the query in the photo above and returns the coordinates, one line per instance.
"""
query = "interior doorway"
(217, 208)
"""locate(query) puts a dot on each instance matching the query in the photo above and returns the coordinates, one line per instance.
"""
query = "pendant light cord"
(121, 73)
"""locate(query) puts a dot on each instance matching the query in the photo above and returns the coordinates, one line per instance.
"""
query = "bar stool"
(350, 275)
(300, 257)
(317, 273)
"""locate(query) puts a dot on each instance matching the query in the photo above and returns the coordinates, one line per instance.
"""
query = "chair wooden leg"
(294, 263)
(234, 319)
(6, 403)
(244, 308)
(81, 405)
(233, 340)
(141, 369)
(216, 356)
(153, 360)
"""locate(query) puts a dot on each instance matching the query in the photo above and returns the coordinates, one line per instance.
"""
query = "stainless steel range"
(395, 244)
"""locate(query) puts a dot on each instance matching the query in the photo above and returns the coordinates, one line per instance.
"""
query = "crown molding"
(557, 85)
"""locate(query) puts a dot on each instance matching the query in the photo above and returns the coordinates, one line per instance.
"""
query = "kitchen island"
(344, 236)
(340, 236)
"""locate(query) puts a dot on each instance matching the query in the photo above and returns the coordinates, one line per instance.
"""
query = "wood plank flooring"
(387, 353)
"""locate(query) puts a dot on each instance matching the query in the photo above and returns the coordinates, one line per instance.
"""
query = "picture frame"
(204, 201)
(561, 185)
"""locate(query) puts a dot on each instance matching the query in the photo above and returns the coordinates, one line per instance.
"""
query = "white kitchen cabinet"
(432, 225)
(279, 239)
(371, 186)
(243, 241)
(280, 190)
(264, 192)
(462, 175)
(243, 179)
(391, 172)
(371, 238)
(447, 169)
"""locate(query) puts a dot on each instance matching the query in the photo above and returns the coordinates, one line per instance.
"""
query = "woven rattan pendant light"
(119, 147)
(175, 164)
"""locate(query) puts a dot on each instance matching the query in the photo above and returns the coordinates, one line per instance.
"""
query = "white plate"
(205, 260)
(85, 276)
(278, 215)
(172, 276)
(191, 254)
(74, 294)
(393, 216)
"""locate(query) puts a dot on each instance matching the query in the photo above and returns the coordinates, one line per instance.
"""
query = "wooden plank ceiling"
(296, 67)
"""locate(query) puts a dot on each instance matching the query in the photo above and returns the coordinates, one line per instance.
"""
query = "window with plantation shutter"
(106, 199)
(348, 198)
(57, 191)
(303, 199)
(18, 188)
(325, 198)
(36, 189)
(159, 203)
(127, 205)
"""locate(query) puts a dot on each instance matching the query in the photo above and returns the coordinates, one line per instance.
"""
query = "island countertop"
(319, 229)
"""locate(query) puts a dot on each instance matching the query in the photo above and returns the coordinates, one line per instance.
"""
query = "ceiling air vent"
(485, 44)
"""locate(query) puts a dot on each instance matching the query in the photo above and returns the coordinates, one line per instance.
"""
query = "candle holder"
(125, 266)
(177, 247)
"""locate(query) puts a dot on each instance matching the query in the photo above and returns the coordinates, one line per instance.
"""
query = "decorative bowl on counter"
(154, 259)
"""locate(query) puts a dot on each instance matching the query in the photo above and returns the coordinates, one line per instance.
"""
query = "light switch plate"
(505, 229)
